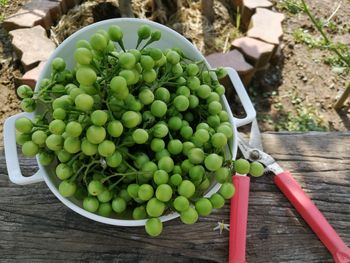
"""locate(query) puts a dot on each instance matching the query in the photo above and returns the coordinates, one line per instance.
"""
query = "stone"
(53, 7)
(25, 19)
(253, 4)
(30, 77)
(256, 52)
(31, 46)
(278, 55)
(235, 60)
(38, 12)
(266, 25)
(248, 9)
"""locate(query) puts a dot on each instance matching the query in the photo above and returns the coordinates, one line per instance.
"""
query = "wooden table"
(36, 227)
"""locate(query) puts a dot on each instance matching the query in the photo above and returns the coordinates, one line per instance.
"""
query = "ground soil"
(9, 68)
(300, 70)
(185, 18)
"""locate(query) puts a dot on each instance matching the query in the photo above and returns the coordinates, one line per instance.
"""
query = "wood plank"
(35, 226)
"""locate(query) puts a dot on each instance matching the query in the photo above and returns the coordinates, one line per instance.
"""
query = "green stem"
(326, 39)
(121, 145)
(44, 101)
(147, 43)
(45, 89)
(40, 125)
(224, 152)
(129, 155)
(139, 40)
(95, 65)
(111, 54)
(74, 158)
(172, 78)
(230, 150)
(72, 179)
(44, 114)
(94, 163)
(119, 174)
(109, 110)
(170, 83)
(342, 98)
(121, 44)
(74, 113)
(130, 166)
(171, 137)
(116, 183)
(317, 25)
(203, 66)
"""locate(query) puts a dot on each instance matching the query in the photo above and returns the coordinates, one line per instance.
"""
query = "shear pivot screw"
(255, 155)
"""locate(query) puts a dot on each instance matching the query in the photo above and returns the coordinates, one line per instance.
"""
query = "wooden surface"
(36, 227)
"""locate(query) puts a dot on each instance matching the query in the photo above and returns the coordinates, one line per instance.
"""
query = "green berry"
(256, 169)
(242, 166)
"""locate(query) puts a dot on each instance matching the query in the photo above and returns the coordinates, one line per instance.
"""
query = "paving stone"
(36, 12)
(233, 59)
(248, 9)
(277, 55)
(266, 25)
(31, 46)
(253, 4)
(53, 7)
(30, 77)
(25, 18)
(256, 52)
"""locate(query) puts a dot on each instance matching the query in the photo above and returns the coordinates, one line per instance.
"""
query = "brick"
(30, 77)
(31, 46)
(38, 12)
(266, 25)
(256, 52)
(233, 59)
(248, 9)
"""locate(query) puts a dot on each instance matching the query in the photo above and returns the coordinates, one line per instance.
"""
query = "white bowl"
(129, 26)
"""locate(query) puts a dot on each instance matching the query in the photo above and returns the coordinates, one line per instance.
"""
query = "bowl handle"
(12, 162)
(243, 96)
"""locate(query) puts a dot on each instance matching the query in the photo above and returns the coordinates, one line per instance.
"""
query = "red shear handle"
(308, 210)
(238, 220)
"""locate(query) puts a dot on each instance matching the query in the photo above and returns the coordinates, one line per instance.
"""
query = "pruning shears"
(253, 151)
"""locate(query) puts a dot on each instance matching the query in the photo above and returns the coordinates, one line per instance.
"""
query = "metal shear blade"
(253, 150)
(252, 153)
(255, 136)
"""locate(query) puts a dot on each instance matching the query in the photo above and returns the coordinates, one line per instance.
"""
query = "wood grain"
(36, 227)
